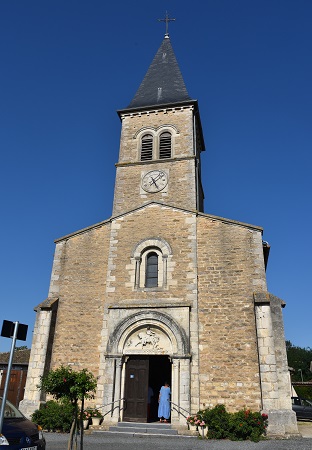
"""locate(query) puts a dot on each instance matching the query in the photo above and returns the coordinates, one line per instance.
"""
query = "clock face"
(154, 181)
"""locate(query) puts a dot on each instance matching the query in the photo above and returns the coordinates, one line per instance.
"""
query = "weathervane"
(167, 20)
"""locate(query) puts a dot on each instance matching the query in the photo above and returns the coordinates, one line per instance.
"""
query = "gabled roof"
(163, 205)
(163, 82)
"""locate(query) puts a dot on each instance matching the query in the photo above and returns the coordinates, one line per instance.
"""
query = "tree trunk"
(81, 424)
(71, 435)
(73, 430)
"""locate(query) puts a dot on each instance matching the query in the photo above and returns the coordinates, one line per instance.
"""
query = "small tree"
(65, 383)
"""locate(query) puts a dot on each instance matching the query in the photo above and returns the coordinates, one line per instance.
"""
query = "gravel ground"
(95, 441)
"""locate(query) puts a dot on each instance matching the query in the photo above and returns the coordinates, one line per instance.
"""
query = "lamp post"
(300, 370)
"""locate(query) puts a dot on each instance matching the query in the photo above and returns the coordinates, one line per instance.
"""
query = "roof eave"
(171, 105)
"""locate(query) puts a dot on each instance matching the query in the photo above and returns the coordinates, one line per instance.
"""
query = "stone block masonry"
(229, 370)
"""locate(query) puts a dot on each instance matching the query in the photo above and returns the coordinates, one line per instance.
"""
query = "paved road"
(305, 428)
(98, 441)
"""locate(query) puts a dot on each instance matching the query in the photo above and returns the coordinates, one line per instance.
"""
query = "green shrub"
(54, 416)
(242, 425)
(217, 420)
(247, 425)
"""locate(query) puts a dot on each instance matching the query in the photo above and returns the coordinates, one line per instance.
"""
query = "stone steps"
(136, 428)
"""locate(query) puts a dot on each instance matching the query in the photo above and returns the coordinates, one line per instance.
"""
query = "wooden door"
(136, 389)
(16, 385)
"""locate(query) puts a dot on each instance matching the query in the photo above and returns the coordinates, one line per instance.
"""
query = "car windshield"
(10, 410)
(306, 402)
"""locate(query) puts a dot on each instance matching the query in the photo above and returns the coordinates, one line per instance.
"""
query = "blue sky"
(67, 66)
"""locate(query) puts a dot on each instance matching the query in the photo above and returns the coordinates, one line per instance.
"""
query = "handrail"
(175, 407)
(112, 409)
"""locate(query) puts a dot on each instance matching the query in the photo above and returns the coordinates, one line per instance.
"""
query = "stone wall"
(212, 267)
(230, 268)
(178, 229)
(82, 283)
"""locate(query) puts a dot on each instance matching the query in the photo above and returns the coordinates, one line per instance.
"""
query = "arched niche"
(148, 332)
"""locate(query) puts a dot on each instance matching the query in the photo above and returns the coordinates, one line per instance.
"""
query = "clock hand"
(160, 175)
(153, 182)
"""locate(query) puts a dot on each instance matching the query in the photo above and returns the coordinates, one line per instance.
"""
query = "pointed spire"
(163, 82)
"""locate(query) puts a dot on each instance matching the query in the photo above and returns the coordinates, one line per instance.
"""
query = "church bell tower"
(161, 141)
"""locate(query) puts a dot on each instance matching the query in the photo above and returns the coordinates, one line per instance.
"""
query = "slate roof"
(163, 82)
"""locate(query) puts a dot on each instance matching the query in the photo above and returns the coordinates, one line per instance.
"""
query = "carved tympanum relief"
(148, 340)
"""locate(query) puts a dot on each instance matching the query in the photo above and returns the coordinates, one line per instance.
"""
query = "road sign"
(8, 330)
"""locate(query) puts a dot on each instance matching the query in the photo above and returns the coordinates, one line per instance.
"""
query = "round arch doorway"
(144, 376)
(142, 339)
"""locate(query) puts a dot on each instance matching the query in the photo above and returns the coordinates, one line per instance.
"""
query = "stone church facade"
(161, 290)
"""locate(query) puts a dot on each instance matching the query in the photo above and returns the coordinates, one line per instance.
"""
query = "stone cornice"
(148, 304)
(158, 161)
(180, 106)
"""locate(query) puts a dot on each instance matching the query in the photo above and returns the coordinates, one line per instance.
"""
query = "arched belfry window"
(151, 270)
(156, 143)
(165, 145)
(146, 147)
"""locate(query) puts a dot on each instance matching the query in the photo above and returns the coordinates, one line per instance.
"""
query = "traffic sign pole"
(7, 381)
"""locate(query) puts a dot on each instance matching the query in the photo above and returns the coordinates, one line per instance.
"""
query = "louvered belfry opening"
(147, 147)
(165, 145)
(151, 279)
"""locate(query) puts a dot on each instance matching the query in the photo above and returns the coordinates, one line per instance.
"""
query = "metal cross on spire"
(167, 20)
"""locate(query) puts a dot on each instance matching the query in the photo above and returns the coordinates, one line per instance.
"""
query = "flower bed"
(241, 425)
(86, 415)
(94, 412)
(196, 421)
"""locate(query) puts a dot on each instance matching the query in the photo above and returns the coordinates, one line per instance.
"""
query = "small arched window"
(151, 272)
(146, 147)
(165, 145)
(149, 262)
